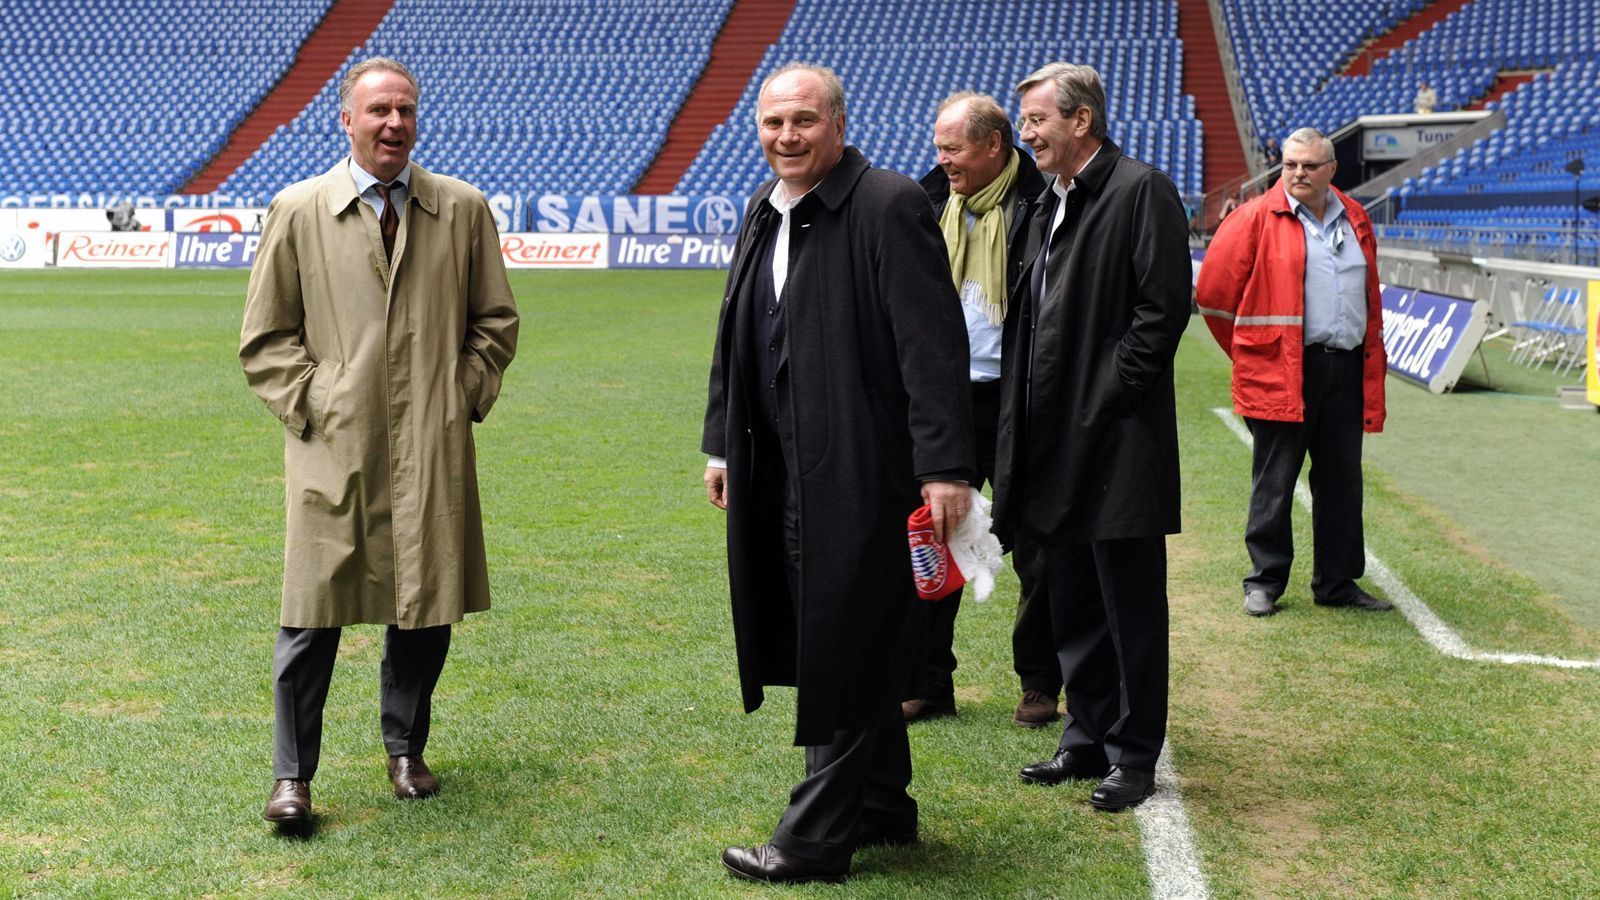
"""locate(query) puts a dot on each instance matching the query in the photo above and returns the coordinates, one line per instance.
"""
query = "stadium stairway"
(1396, 37)
(751, 26)
(1222, 156)
(346, 26)
(1504, 83)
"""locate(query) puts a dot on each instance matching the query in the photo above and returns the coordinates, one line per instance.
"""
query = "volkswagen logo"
(12, 247)
(716, 215)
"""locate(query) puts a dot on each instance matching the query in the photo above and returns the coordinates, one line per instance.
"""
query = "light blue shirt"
(367, 188)
(983, 339)
(1336, 277)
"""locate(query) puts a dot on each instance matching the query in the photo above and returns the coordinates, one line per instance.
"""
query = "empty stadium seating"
(1286, 54)
(518, 96)
(121, 97)
(1509, 194)
(898, 58)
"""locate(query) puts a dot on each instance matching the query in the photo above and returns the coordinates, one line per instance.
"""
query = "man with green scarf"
(985, 189)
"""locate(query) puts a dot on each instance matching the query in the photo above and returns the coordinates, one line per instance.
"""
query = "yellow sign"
(1593, 344)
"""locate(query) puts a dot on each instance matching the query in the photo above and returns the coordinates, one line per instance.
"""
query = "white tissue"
(974, 549)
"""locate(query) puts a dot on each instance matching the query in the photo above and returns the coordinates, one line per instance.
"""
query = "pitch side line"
(1169, 854)
(1432, 628)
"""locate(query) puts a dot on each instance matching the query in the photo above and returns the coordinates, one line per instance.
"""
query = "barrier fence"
(555, 231)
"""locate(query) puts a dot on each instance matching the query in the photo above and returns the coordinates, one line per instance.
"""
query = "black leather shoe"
(920, 709)
(1358, 599)
(1123, 788)
(768, 863)
(411, 778)
(289, 804)
(1258, 603)
(1061, 767)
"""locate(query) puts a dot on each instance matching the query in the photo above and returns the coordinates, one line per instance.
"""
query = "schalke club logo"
(12, 247)
(716, 215)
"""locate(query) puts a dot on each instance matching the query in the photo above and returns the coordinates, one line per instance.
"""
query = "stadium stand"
(898, 58)
(1509, 194)
(1285, 59)
(585, 111)
(133, 97)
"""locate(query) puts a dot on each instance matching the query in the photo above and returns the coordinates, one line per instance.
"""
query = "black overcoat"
(877, 378)
(1088, 443)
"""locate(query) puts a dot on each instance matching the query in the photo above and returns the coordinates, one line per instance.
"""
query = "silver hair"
(831, 86)
(1311, 137)
(347, 85)
(1075, 86)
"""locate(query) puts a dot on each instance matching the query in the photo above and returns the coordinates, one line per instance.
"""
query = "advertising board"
(1429, 338)
(22, 248)
(113, 250)
(214, 250)
(231, 218)
(1407, 141)
(671, 251)
(636, 213)
(526, 250)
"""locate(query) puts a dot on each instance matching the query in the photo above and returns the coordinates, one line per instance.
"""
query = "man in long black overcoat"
(837, 406)
(1087, 458)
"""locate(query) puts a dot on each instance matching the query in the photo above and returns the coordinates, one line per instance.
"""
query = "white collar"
(1072, 182)
(1295, 206)
(780, 199)
(365, 180)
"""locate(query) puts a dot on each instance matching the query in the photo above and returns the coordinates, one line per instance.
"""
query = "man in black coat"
(836, 407)
(1087, 461)
(984, 188)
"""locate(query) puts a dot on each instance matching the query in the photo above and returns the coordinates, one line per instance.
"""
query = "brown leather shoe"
(1037, 709)
(919, 709)
(290, 803)
(768, 863)
(412, 778)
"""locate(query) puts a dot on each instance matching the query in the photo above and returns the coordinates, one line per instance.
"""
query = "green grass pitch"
(588, 730)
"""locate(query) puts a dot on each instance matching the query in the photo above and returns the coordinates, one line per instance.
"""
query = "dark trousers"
(1033, 649)
(302, 668)
(1331, 433)
(1108, 603)
(859, 779)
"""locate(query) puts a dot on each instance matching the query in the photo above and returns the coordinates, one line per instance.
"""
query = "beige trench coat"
(377, 373)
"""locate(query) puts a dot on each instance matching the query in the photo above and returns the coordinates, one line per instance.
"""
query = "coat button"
(772, 310)
(773, 347)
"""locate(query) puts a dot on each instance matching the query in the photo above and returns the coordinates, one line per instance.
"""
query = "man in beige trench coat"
(377, 325)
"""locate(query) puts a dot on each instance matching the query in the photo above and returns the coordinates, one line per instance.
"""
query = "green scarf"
(985, 253)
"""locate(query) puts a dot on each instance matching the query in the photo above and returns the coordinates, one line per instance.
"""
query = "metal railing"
(1566, 245)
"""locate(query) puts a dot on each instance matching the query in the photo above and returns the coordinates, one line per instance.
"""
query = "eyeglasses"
(1305, 167)
(1023, 123)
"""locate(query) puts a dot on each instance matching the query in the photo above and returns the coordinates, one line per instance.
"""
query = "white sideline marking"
(1432, 628)
(1169, 854)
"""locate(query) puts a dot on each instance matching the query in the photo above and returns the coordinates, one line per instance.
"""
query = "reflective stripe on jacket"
(1252, 294)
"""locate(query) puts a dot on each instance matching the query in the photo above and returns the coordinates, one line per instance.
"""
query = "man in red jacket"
(1289, 288)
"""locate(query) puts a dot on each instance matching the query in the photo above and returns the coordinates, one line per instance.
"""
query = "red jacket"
(1252, 294)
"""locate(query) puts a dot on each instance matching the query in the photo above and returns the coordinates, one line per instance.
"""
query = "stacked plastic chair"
(899, 58)
(1554, 332)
